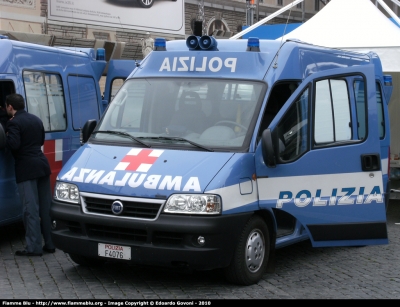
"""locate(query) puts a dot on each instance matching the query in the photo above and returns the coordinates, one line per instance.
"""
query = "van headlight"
(66, 192)
(193, 204)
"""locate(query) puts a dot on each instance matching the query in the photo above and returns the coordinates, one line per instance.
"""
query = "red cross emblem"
(53, 150)
(138, 160)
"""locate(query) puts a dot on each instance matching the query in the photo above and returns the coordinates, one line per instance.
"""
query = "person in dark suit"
(25, 136)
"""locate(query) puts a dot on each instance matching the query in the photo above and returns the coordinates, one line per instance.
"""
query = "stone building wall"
(80, 36)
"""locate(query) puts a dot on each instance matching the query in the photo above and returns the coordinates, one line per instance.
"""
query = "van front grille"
(133, 209)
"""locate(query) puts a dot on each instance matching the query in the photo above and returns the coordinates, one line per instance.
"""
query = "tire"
(86, 261)
(250, 258)
(146, 3)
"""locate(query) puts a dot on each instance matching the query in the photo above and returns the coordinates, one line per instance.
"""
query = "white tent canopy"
(353, 25)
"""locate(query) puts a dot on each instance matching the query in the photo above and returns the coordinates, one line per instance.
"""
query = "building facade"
(27, 20)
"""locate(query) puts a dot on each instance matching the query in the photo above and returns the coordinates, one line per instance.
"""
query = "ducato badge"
(117, 207)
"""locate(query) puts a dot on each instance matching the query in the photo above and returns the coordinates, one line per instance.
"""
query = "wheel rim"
(146, 2)
(255, 250)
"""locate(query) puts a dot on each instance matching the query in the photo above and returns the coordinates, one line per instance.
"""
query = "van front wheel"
(250, 257)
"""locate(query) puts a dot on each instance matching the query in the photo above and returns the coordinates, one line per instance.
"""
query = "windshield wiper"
(176, 138)
(122, 134)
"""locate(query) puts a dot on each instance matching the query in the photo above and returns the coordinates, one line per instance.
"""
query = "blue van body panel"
(19, 57)
(170, 172)
(236, 185)
(179, 64)
(333, 192)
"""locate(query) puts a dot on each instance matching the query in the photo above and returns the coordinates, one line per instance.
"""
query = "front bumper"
(169, 241)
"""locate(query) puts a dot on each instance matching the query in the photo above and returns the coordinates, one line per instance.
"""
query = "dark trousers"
(35, 196)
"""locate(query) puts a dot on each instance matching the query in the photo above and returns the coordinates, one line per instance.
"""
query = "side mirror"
(267, 148)
(2, 137)
(87, 130)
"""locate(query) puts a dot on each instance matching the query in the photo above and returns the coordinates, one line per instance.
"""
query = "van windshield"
(211, 113)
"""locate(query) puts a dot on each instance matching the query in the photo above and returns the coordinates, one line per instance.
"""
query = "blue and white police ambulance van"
(215, 153)
(61, 87)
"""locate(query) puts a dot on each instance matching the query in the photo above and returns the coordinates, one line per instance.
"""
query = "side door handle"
(371, 162)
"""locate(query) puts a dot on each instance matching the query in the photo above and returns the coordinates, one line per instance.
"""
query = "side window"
(115, 86)
(45, 99)
(332, 112)
(55, 98)
(381, 118)
(293, 129)
(361, 104)
(359, 92)
(280, 93)
(84, 100)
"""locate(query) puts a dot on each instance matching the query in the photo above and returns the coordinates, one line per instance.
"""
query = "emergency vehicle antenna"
(284, 31)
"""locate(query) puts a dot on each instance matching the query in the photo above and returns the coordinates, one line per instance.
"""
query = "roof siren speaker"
(192, 42)
(207, 42)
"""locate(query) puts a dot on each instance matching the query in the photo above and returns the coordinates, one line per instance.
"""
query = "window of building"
(316, 6)
(218, 27)
(101, 35)
(280, 2)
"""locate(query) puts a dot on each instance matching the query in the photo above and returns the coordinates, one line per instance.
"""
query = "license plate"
(114, 251)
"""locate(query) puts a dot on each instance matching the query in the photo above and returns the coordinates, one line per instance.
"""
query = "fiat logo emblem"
(117, 207)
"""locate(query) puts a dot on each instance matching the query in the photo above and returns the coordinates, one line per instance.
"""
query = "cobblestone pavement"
(302, 272)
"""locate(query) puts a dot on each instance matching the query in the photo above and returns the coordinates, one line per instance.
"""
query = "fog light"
(54, 224)
(201, 240)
